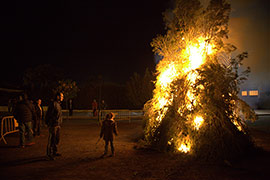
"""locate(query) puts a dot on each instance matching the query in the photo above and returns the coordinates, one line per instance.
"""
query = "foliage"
(68, 87)
(139, 89)
(39, 81)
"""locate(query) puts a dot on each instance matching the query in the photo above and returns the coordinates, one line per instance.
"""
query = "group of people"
(96, 108)
(28, 114)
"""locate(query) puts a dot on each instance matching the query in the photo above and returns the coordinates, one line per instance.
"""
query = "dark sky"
(109, 38)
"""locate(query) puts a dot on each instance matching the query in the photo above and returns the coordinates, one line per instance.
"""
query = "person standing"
(94, 108)
(53, 120)
(10, 105)
(39, 117)
(25, 115)
(108, 128)
(103, 107)
(70, 107)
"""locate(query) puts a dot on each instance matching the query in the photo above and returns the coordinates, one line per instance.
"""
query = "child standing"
(108, 128)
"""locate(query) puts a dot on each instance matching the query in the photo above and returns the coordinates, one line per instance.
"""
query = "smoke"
(249, 28)
(205, 3)
(250, 31)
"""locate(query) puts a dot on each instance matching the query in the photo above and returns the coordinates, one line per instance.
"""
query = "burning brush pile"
(195, 107)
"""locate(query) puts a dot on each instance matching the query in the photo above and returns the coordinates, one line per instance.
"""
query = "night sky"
(112, 39)
(84, 38)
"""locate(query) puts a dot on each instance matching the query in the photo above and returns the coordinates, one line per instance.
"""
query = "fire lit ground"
(80, 157)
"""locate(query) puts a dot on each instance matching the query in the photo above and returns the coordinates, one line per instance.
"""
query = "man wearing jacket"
(39, 117)
(54, 121)
(25, 114)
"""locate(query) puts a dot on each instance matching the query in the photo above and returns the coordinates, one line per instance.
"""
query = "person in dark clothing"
(10, 105)
(70, 107)
(25, 115)
(103, 107)
(95, 108)
(39, 117)
(54, 121)
(108, 128)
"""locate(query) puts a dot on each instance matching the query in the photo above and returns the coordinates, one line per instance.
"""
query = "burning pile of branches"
(195, 107)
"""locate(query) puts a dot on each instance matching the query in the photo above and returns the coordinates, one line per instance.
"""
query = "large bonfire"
(195, 107)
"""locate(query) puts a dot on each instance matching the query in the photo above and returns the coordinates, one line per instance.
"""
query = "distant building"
(256, 94)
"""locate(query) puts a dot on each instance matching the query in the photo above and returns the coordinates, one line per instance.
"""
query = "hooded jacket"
(108, 128)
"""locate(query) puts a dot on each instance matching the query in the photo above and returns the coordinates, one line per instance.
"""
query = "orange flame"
(190, 58)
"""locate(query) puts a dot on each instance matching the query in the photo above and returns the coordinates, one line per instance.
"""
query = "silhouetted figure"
(103, 107)
(39, 117)
(70, 107)
(94, 108)
(10, 105)
(25, 114)
(54, 121)
(108, 128)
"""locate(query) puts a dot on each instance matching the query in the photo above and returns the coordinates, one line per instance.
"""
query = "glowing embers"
(197, 123)
(185, 146)
(161, 104)
(185, 143)
(237, 125)
(191, 100)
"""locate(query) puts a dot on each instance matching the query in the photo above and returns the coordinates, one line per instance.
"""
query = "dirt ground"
(81, 158)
